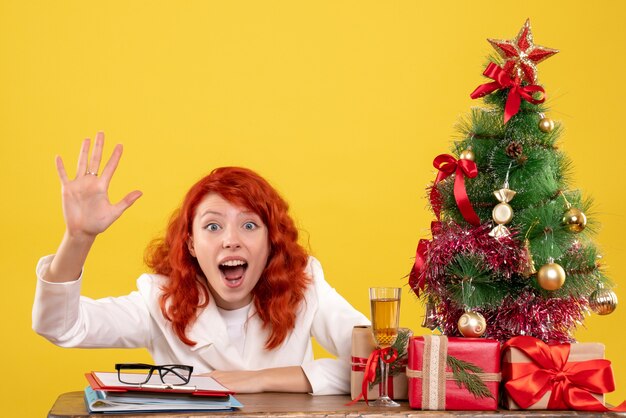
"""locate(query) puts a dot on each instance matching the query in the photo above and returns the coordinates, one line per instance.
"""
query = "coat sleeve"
(332, 326)
(67, 319)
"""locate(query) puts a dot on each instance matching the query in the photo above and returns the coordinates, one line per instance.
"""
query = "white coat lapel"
(256, 356)
(254, 352)
(209, 328)
(213, 342)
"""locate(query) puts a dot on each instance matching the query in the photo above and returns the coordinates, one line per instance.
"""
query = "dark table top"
(72, 405)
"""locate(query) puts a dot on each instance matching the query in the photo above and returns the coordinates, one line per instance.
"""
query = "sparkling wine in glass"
(385, 307)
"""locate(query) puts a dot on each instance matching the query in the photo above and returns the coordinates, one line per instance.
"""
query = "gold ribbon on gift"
(434, 374)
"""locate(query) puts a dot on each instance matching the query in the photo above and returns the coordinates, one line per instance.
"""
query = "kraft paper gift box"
(517, 364)
(434, 386)
(363, 345)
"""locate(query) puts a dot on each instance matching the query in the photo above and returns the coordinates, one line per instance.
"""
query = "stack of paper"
(106, 394)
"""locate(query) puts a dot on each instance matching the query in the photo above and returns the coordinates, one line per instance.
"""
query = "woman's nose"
(231, 239)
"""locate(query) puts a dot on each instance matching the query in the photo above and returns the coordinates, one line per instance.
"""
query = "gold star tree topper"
(521, 55)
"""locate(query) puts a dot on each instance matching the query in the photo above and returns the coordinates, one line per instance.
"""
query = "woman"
(233, 294)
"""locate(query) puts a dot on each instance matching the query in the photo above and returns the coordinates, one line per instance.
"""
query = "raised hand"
(86, 206)
(86, 209)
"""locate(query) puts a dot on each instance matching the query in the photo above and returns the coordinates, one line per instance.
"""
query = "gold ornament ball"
(467, 154)
(551, 276)
(472, 324)
(575, 220)
(546, 125)
(603, 301)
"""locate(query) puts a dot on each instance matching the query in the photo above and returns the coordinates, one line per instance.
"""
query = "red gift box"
(434, 386)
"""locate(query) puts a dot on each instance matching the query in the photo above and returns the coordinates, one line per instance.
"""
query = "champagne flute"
(385, 307)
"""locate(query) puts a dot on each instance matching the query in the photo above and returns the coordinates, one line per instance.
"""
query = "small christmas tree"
(511, 250)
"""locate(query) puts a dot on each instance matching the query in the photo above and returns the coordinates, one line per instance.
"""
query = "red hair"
(282, 284)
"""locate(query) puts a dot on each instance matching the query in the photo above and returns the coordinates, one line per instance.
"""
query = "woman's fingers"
(96, 156)
(111, 165)
(126, 202)
(84, 168)
(82, 158)
(61, 170)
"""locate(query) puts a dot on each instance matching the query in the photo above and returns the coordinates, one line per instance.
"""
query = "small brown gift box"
(362, 346)
(514, 359)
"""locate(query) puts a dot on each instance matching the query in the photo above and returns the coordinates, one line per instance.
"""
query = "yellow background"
(342, 105)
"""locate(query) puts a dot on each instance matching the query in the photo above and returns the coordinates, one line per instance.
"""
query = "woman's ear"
(190, 246)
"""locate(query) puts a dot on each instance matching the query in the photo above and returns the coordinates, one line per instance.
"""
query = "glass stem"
(384, 378)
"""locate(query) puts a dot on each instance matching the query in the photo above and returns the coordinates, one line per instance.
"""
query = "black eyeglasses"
(140, 373)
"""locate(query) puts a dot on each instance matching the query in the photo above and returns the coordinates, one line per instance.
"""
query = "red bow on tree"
(572, 384)
(517, 92)
(417, 278)
(447, 165)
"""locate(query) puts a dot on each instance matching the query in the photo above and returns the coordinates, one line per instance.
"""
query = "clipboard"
(197, 386)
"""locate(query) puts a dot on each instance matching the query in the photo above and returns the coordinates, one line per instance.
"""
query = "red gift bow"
(358, 365)
(572, 384)
(504, 81)
(388, 355)
(447, 164)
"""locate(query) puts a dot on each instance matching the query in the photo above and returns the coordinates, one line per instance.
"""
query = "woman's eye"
(249, 226)
(212, 227)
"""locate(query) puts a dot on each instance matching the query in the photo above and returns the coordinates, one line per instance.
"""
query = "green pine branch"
(465, 375)
(472, 284)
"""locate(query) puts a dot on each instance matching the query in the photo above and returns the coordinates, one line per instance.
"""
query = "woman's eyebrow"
(211, 212)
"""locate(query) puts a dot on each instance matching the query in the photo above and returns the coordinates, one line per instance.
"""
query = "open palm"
(86, 206)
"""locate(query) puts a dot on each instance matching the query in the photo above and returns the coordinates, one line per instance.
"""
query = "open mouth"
(233, 271)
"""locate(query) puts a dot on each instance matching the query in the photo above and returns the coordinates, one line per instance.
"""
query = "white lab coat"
(67, 319)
